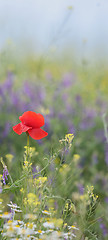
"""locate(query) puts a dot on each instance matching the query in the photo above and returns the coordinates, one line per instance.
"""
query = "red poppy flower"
(31, 123)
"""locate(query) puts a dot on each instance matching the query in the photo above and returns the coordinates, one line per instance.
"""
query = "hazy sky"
(42, 23)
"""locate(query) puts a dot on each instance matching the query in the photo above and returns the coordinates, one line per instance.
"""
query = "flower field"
(54, 164)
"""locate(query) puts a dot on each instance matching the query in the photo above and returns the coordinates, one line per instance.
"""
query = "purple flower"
(0, 189)
(1, 92)
(86, 124)
(47, 123)
(106, 199)
(88, 120)
(9, 82)
(36, 94)
(81, 188)
(94, 158)
(27, 90)
(5, 174)
(99, 133)
(67, 80)
(6, 86)
(61, 115)
(35, 172)
(6, 129)
(41, 94)
(106, 154)
(71, 127)
(78, 98)
(15, 100)
(104, 229)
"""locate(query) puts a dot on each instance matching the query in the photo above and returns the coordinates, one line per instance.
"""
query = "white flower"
(6, 215)
(48, 224)
(30, 216)
(46, 212)
(14, 207)
(54, 235)
(73, 227)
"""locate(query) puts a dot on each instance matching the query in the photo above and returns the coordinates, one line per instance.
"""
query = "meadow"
(55, 187)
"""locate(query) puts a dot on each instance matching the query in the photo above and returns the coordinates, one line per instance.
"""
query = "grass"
(57, 187)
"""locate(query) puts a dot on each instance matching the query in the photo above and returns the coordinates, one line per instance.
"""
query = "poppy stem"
(27, 144)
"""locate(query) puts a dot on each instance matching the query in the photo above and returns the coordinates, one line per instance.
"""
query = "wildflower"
(1, 200)
(32, 199)
(31, 123)
(9, 157)
(73, 227)
(14, 207)
(48, 225)
(103, 228)
(46, 212)
(58, 222)
(0, 183)
(76, 157)
(64, 169)
(69, 137)
(0, 188)
(5, 174)
(6, 215)
(68, 140)
(30, 216)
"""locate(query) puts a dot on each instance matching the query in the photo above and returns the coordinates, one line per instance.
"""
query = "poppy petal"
(19, 128)
(32, 119)
(37, 133)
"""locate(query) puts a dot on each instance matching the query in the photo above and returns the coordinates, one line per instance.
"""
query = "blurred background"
(77, 27)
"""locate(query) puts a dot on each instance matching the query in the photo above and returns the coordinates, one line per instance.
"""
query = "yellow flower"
(30, 225)
(10, 229)
(57, 222)
(17, 226)
(22, 190)
(69, 137)
(76, 157)
(64, 169)
(9, 157)
(1, 200)
(42, 179)
(32, 199)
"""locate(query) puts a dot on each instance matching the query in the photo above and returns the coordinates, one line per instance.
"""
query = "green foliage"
(47, 202)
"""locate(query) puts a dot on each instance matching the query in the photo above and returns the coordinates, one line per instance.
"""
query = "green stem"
(105, 127)
(27, 145)
(27, 159)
